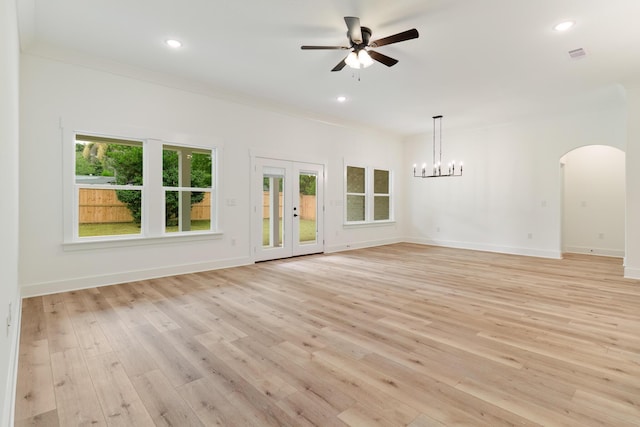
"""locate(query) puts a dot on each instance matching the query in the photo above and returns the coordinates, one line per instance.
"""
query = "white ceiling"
(476, 61)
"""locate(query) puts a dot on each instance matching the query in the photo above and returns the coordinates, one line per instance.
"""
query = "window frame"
(152, 211)
(369, 195)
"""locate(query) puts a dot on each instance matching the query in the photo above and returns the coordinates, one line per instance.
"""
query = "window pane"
(169, 168)
(380, 181)
(108, 212)
(201, 170)
(355, 208)
(187, 211)
(380, 208)
(108, 161)
(186, 167)
(355, 180)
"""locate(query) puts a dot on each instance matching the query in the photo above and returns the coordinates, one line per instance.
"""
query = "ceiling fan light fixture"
(364, 58)
(564, 26)
(352, 60)
(173, 43)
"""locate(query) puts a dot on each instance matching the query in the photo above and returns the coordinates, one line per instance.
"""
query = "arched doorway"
(593, 201)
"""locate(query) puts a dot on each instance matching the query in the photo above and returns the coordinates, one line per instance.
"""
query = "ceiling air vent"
(577, 53)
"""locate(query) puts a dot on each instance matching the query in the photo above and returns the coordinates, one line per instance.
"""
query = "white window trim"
(151, 233)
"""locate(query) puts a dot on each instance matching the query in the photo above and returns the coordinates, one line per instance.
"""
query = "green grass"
(307, 231)
(196, 225)
(121, 228)
(108, 229)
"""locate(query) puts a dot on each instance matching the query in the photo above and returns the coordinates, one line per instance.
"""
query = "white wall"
(594, 201)
(509, 199)
(9, 100)
(56, 93)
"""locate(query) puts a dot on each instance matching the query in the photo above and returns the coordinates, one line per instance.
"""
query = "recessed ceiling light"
(564, 26)
(174, 43)
(341, 98)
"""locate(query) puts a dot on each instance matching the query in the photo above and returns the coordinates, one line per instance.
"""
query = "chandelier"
(436, 171)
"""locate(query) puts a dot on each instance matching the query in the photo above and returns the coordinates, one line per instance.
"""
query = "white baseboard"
(45, 288)
(632, 273)
(595, 251)
(9, 405)
(487, 248)
(360, 245)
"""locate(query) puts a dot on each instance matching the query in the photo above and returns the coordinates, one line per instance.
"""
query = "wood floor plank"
(34, 389)
(210, 405)
(89, 334)
(163, 402)
(402, 334)
(47, 419)
(60, 332)
(118, 398)
(76, 397)
(172, 363)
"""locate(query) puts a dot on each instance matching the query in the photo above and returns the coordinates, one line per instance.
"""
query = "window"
(368, 195)
(186, 180)
(123, 187)
(109, 184)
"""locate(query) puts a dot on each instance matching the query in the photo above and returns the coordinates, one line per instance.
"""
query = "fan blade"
(340, 66)
(355, 32)
(400, 37)
(322, 47)
(386, 60)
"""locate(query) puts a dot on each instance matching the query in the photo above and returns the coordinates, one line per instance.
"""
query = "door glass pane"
(272, 207)
(307, 208)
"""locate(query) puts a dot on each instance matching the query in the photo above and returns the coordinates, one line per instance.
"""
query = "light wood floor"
(391, 336)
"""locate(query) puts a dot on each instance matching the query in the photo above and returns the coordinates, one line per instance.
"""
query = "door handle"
(295, 215)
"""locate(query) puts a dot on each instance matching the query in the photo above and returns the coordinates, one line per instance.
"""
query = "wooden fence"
(307, 206)
(97, 206)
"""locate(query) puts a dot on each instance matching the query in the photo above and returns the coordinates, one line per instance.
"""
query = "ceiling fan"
(360, 45)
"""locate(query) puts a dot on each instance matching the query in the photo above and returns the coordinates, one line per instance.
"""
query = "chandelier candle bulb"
(436, 172)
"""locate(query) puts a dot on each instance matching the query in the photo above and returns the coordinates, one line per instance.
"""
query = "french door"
(288, 208)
